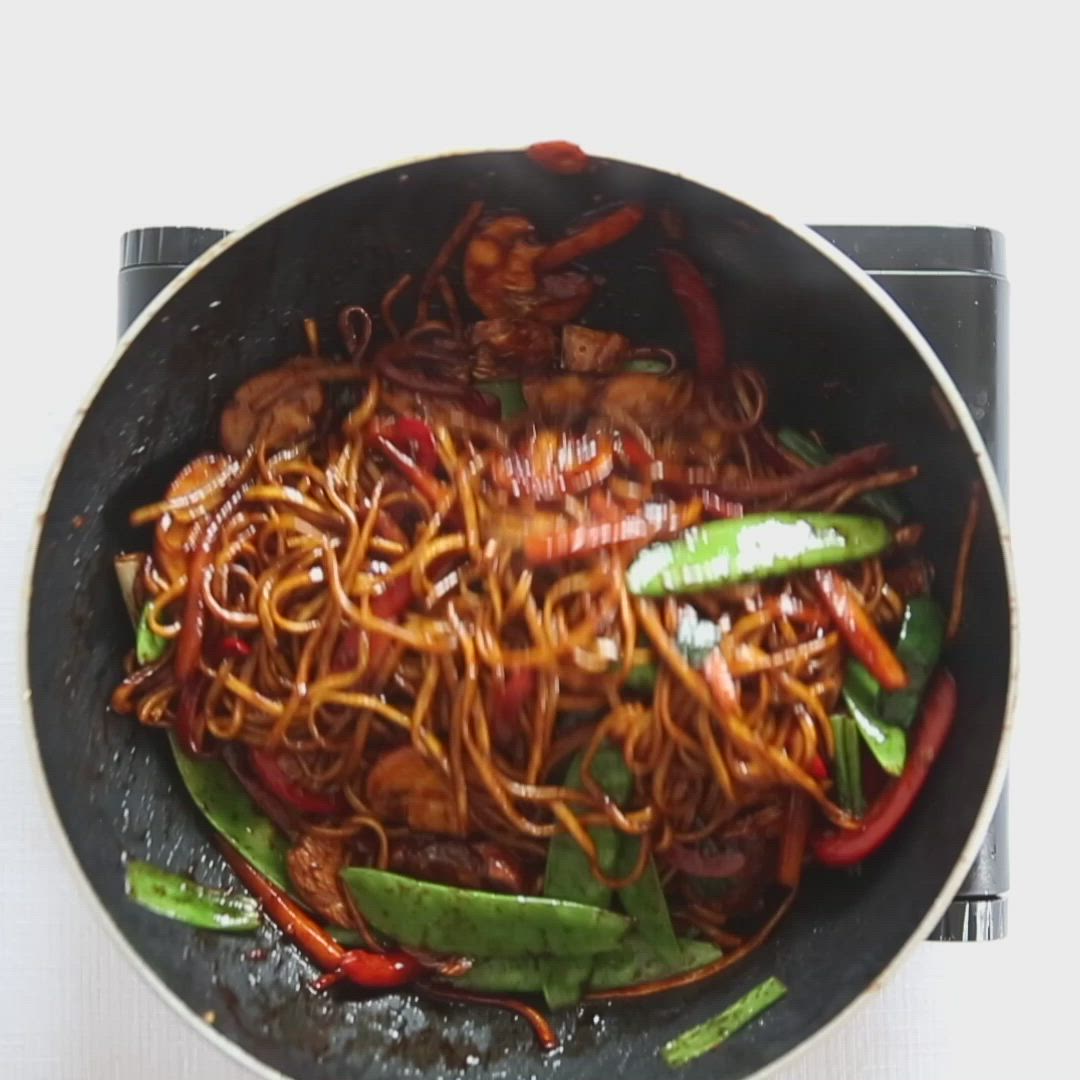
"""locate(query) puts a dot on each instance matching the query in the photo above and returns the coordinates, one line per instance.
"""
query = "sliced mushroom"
(560, 399)
(512, 346)
(403, 787)
(595, 351)
(314, 865)
(655, 402)
(174, 527)
(284, 403)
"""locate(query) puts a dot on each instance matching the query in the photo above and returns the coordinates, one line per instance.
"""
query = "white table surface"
(116, 116)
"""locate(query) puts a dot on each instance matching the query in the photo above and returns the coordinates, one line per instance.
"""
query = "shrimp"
(509, 273)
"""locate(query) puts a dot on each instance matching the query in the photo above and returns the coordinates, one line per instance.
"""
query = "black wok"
(837, 354)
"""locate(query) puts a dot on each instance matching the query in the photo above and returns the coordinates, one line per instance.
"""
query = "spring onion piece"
(922, 636)
(848, 764)
(758, 546)
(148, 645)
(180, 898)
(813, 453)
(862, 695)
(709, 1035)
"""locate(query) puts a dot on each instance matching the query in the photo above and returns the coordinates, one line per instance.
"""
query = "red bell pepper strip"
(420, 479)
(235, 646)
(890, 807)
(817, 768)
(863, 637)
(283, 787)
(370, 969)
(405, 431)
(559, 156)
(389, 604)
(700, 311)
(508, 701)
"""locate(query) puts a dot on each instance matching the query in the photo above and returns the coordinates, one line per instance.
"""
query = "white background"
(215, 114)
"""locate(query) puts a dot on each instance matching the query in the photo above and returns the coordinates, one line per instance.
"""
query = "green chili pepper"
(510, 395)
(862, 695)
(757, 546)
(632, 963)
(645, 903)
(186, 901)
(709, 1035)
(922, 637)
(445, 919)
(569, 875)
(228, 807)
(148, 645)
(880, 502)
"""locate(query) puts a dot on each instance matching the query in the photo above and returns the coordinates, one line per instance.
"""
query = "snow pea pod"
(862, 695)
(229, 808)
(569, 876)
(446, 919)
(178, 897)
(632, 963)
(922, 636)
(758, 546)
(645, 903)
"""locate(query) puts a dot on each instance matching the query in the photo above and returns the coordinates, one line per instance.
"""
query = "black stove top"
(949, 280)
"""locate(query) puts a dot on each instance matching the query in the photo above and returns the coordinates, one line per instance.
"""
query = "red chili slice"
(559, 156)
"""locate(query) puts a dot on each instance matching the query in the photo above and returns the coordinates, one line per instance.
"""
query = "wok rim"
(858, 277)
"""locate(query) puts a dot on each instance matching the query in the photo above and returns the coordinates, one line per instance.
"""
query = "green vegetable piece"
(632, 963)
(853, 754)
(887, 742)
(510, 395)
(758, 546)
(841, 772)
(922, 637)
(709, 1035)
(445, 919)
(645, 903)
(228, 807)
(648, 365)
(148, 645)
(180, 898)
(642, 678)
(569, 875)
(848, 764)
(880, 502)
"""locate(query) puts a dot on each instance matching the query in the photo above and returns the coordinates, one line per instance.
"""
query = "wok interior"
(834, 361)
